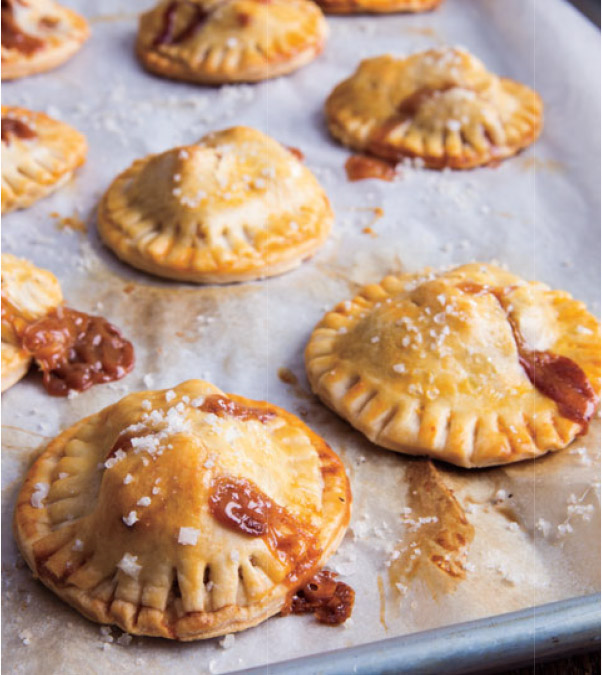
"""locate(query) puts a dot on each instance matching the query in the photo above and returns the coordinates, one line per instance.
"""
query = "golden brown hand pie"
(441, 106)
(220, 41)
(376, 6)
(473, 366)
(28, 293)
(38, 35)
(39, 155)
(185, 514)
(235, 206)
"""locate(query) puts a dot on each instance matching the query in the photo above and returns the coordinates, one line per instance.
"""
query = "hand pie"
(39, 155)
(441, 106)
(473, 366)
(38, 35)
(220, 41)
(184, 514)
(28, 294)
(376, 6)
(72, 349)
(235, 206)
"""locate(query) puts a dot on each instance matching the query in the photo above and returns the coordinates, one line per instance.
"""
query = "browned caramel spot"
(75, 350)
(195, 19)
(226, 407)
(360, 167)
(436, 551)
(287, 376)
(12, 35)
(296, 152)
(240, 505)
(14, 127)
(329, 600)
(555, 376)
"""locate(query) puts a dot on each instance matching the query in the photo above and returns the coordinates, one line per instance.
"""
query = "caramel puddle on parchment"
(287, 376)
(433, 551)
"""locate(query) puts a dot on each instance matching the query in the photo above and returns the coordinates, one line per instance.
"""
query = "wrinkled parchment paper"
(528, 533)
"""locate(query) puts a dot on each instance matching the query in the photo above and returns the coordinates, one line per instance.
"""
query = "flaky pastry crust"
(376, 6)
(235, 206)
(116, 514)
(221, 41)
(39, 155)
(428, 364)
(38, 35)
(441, 106)
(28, 293)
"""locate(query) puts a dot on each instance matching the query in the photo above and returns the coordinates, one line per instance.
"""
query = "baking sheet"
(538, 213)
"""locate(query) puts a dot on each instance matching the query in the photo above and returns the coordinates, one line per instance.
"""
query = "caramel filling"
(73, 350)
(14, 127)
(557, 377)
(240, 505)
(329, 600)
(12, 35)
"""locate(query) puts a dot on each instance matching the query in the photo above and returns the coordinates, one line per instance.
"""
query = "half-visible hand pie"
(184, 514)
(221, 41)
(39, 155)
(473, 366)
(235, 206)
(28, 294)
(72, 349)
(38, 35)
(376, 6)
(441, 106)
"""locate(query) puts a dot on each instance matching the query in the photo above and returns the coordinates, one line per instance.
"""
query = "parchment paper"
(532, 529)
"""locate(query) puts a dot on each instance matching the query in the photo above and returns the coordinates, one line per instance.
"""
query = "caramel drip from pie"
(557, 377)
(240, 505)
(226, 407)
(14, 127)
(74, 350)
(168, 36)
(360, 167)
(329, 600)
(12, 35)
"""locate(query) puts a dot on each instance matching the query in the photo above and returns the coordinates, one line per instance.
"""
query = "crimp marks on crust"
(441, 106)
(377, 6)
(97, 522)
(36, 165)
(422, 367)
(235, 206)
(220, 41)
(38, 35)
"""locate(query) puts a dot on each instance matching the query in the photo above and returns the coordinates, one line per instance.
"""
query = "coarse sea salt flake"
(131, 518)
(129, 565)
(188, 536)
(39, 494)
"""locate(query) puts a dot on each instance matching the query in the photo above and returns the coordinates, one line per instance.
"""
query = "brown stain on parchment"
(434, 551)
(289, 378)
(113, 18)
(383, 601)
(73, 222)
(535, 163)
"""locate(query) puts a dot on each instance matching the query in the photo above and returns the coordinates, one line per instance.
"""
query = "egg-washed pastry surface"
(74, 350)
(440, 106)
(39, 155)
(376, 6)
(183, 513)
(220, 41)
(38, 35)
(28, 294)
(473, 366)
(235, 206)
